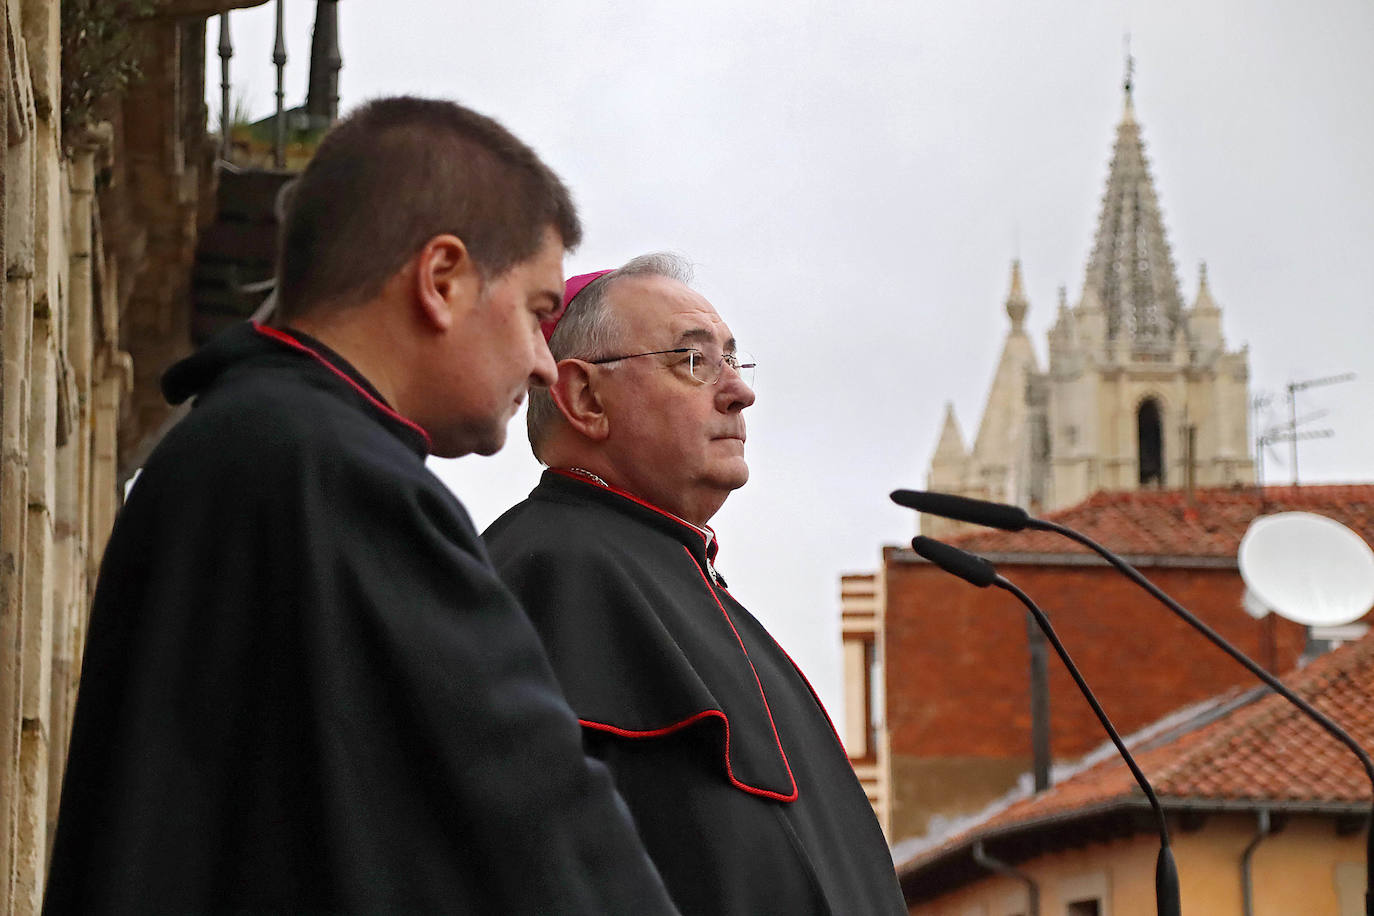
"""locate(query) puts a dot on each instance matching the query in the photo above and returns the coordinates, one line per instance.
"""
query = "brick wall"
(958, 708)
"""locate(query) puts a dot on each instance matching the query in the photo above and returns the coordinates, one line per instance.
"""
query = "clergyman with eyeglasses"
(737, 781)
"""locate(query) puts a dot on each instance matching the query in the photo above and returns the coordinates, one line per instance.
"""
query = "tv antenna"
(1289, 432)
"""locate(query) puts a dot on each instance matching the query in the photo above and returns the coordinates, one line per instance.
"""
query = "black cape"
(304, 688)
(738, 783)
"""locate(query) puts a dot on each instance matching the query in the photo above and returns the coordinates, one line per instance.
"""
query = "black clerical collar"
(299, 340)
(701, 542)
(332, 357)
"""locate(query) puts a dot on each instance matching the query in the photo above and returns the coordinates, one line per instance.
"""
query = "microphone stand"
(1220, 642)
(978, 571)
(1015, 518)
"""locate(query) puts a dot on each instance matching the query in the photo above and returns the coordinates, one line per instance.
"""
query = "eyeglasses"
(705, 369)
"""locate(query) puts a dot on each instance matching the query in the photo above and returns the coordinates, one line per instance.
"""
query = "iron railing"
(322, 97)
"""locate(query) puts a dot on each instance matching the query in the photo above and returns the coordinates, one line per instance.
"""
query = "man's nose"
(545, 370)
(733, 392)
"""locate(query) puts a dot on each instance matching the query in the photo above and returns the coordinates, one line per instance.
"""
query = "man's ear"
(447, 283)
(578, 401)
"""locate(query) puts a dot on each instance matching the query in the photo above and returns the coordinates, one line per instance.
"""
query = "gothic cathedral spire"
(1139, 392)
(1131, 270)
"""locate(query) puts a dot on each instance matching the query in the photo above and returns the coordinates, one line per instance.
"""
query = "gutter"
(1002, 868)
(1247, 890)
(941, 853)
(1038, 558)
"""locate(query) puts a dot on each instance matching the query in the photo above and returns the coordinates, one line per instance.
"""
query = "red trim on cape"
(807, 681)
(677, 726)
(696, 717)
(282, 337)
(659, 732)
(635, 499)
(762, 696)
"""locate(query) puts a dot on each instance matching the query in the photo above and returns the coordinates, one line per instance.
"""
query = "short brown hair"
(394, 174)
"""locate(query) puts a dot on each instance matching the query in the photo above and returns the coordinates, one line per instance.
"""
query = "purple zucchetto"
(574, 286)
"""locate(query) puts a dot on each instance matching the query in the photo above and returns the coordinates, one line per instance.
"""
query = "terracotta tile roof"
(1165, 523)
(1259, 750)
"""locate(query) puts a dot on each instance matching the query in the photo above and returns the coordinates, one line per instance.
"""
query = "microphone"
(977, 571)
(970, 567)
(1014, 518)
(963, 509)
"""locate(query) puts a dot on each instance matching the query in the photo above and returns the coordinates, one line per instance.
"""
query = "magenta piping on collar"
(282, 337)
(563, 472)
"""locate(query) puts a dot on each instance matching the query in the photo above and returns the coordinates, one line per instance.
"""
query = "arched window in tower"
(1151, 443)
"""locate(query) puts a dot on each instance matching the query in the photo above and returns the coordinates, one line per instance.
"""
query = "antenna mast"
(1291, 433)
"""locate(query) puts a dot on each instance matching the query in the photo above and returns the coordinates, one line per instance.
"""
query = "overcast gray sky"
(853, 180)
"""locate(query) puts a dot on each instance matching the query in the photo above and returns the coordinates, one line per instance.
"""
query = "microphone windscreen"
(972, 569)
(963, 509)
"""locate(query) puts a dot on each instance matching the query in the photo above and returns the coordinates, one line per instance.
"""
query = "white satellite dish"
(1309, 568)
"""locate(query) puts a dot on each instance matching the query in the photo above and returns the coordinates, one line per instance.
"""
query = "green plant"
(239, 112)
(100, 53)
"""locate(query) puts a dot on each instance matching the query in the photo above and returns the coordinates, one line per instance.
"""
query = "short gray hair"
(589, 330)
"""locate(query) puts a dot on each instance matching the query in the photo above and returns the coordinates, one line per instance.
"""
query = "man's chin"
(472, 442)
(492, 444)
(734, 476)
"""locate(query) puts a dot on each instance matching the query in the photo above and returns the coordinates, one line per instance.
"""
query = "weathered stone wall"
(99, 235)
(37, 403)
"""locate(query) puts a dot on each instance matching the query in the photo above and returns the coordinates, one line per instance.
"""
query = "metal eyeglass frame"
(696, 358)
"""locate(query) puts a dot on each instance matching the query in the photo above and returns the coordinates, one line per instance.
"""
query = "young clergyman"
(304, 688)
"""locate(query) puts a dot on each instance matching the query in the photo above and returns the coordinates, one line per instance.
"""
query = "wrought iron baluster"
(279, 59)
(322, 96)
(226, 51)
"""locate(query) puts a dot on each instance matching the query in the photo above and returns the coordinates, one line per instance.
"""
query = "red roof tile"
(1263, 750)
(1167, 523)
